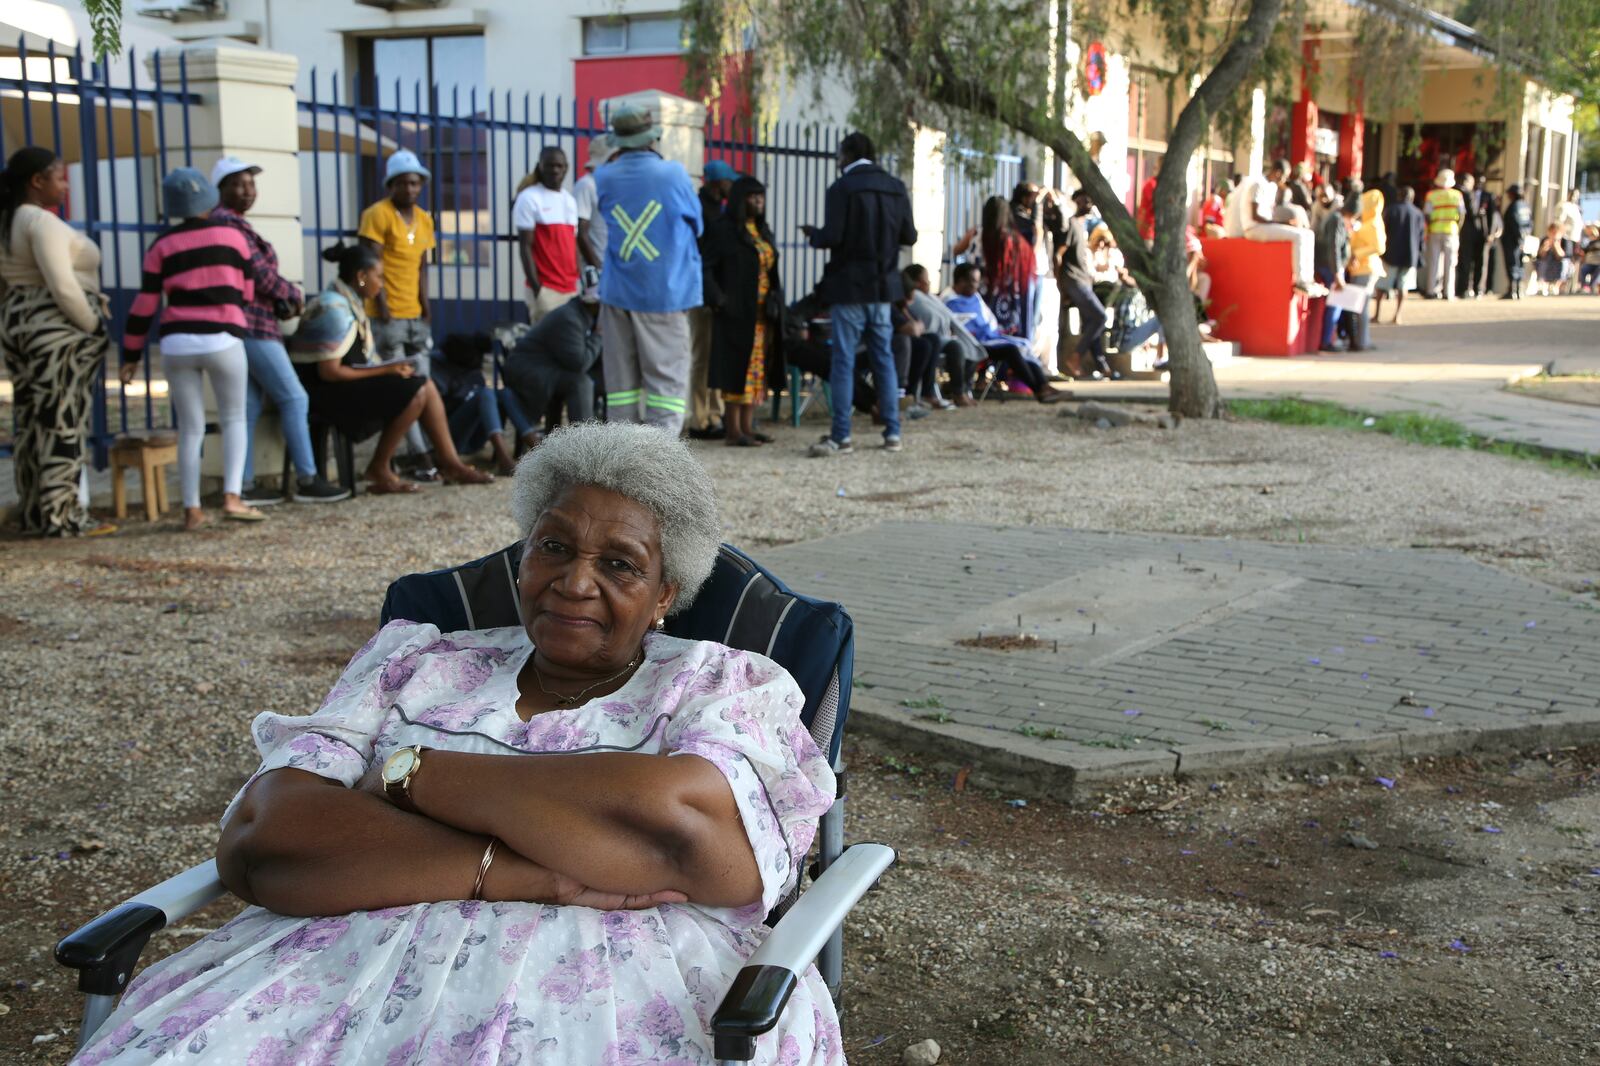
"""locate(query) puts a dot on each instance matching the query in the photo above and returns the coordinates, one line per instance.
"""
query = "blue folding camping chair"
(742, 605)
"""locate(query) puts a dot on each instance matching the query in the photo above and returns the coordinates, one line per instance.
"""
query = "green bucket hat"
(633, 126)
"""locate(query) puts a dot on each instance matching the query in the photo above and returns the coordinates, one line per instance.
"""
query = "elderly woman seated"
(552, 843)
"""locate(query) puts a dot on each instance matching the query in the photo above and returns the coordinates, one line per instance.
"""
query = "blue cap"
(405, 161)
(717, 170)
(185, 193)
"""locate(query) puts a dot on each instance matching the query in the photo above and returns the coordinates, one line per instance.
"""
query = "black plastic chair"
(742, 605)
(344, 451)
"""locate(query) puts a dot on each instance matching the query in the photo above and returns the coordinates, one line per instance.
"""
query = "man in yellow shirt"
(402, 233)
(1443, 208)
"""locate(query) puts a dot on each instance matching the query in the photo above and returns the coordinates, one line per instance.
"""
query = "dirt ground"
(1217, 922)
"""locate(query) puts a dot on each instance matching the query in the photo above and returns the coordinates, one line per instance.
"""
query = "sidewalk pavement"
(1156, 656)
(1451, 359)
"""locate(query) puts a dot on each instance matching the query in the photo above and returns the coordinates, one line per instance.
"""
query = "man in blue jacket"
(867, 219)
(651, 278)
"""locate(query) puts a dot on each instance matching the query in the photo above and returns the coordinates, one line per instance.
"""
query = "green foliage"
(1408, 426)
(1556, 42)
(105, 20)
(930, 702)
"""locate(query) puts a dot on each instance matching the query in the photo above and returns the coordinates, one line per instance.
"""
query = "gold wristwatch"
(398, 770)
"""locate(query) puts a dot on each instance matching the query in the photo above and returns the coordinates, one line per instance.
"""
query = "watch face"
(398, 766)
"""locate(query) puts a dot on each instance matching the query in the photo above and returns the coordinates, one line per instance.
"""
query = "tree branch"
(1240, 58)
(955, 91)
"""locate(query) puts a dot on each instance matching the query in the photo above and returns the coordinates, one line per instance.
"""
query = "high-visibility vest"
(1444, 208)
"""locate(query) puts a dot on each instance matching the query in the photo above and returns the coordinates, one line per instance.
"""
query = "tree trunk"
(1191, 388)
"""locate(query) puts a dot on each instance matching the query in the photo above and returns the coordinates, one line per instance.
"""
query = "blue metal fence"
(117, 137)
(479, 149)
(119, 132)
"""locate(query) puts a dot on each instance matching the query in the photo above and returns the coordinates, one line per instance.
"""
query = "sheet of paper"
(1351, 298)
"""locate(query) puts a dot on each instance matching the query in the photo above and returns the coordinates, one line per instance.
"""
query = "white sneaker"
(827, 446)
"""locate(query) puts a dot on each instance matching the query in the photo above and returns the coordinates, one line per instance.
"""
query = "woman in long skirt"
(53, 338)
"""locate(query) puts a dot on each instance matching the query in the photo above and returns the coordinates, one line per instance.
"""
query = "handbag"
(772, 310)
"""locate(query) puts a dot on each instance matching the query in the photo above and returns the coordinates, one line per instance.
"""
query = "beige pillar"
(246, 109)
(927, 189)
(683, 126)
(1255, 162)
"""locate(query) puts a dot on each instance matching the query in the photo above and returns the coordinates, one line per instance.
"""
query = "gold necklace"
(570, 700)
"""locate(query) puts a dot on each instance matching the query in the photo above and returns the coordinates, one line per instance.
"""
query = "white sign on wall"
(1327, 141)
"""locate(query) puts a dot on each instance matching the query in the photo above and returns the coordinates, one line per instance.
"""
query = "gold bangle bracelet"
(483, 867)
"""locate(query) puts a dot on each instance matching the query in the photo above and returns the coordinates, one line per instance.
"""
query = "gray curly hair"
(644, 464)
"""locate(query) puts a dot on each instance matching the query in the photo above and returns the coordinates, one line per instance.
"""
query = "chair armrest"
(756, 1000)
(105, 951)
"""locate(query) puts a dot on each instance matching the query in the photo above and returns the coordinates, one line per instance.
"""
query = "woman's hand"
(403, 370)
(128, 372)
(512, 878)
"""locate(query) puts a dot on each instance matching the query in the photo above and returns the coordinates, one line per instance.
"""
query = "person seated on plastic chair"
(806, 346)
(955, 346)
(472, 406)
(331, 352)
(544, 844)
(555, 360)
(974, 315)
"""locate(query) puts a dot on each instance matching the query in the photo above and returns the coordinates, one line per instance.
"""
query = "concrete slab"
(1216, 657)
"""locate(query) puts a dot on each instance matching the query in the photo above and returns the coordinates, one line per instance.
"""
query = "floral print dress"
(755, 373)
(504, 983)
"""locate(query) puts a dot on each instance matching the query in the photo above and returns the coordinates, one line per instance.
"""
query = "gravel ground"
(1225, 925)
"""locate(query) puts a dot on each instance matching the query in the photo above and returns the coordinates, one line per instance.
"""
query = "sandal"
(249, 514)
(392, 487)
(763, 438)
(742, 442)
(427, 474)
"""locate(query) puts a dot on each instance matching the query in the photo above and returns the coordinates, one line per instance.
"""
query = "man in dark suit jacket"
(1474, 238)
(867, 220)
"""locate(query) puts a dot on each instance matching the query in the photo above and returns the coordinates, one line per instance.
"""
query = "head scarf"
(333, 320)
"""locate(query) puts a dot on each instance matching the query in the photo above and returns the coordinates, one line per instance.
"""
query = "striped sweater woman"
(201, 269)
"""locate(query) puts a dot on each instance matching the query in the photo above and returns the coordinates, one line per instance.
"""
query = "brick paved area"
(1161, 655)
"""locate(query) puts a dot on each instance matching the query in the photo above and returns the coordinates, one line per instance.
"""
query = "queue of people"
(667, 300)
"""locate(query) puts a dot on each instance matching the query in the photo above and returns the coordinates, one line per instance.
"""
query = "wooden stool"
(149, 454)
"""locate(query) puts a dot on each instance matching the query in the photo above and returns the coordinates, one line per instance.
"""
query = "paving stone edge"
(1021, 766)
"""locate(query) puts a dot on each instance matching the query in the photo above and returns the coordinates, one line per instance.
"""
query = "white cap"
(230, 165)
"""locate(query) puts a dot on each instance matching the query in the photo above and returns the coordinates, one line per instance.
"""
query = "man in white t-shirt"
(546, 219)
(591, 223)
(1257, 199)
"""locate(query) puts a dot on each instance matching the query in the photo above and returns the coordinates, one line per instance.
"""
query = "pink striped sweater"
(203, 270)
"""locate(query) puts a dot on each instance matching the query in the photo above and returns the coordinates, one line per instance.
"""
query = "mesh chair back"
(743, 605)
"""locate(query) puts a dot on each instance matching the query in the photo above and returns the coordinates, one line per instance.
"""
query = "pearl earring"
(659, 623)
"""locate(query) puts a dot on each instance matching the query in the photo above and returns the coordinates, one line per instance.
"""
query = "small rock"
(1357, 840)
(1101, 423)
(45, 1038)
(204, 688)
(1117, 416)
(922, 1053)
